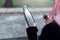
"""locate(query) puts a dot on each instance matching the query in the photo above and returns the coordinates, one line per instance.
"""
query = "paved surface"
(19, 38)
(15, 10)
(14, 26)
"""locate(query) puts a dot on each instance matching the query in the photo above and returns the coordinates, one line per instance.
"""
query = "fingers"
(49, 20)
(35, 24)
(27, 26)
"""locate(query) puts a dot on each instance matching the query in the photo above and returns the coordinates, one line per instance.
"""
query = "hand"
(33, 25)
(49, 20)
(27, 26)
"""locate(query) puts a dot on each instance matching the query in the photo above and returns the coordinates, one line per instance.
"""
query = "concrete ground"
(14, 26)
(19, 38)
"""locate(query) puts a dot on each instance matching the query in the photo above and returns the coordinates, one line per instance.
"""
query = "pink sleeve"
(53, 9)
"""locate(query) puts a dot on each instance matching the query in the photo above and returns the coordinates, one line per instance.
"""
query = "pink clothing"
(56, 9)
(58, 12)
(57, 19)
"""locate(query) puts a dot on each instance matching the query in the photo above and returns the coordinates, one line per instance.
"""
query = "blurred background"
(12, 21)
(29, 3)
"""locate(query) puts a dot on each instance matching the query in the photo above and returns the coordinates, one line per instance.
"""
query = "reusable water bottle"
(28, 16)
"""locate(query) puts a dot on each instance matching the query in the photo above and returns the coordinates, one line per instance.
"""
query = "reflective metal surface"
(28, 16)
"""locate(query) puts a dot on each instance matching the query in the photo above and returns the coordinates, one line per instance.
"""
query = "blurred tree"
(8, 3)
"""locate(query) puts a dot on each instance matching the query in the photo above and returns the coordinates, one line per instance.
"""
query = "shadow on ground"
(20, 38)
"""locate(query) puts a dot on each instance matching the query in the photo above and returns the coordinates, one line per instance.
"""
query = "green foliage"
(1, 3)
(50, 3)
(16, 3)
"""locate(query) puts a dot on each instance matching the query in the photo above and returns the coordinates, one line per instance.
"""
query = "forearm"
(52, 12)
(54, 9)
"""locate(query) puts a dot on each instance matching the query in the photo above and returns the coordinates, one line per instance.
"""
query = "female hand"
(49, 20)
(33, 25)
